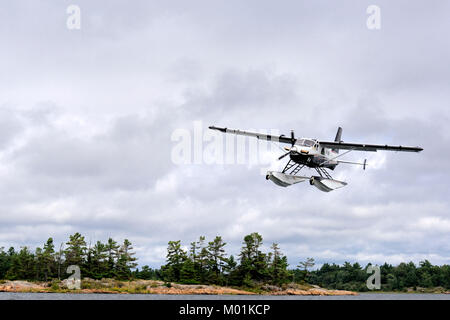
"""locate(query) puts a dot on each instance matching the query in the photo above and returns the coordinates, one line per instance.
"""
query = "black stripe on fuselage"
(311, 161)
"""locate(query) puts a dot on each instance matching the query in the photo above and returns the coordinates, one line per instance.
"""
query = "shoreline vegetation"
(202, 268)
(111, 286)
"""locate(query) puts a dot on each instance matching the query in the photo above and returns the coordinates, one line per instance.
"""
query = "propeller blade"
(292, 138)
(284, 155)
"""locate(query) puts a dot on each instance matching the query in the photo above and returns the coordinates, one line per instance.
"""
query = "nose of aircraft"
(298, 149)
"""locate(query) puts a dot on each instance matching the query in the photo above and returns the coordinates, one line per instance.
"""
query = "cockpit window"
(306, 142)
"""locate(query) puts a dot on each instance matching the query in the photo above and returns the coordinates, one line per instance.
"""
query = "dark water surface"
(90, 296)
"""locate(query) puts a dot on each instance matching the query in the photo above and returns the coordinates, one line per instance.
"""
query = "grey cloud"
(95, 157)
(122, 157)
(10, 126)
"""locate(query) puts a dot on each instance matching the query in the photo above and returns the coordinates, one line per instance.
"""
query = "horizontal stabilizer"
(364, 164)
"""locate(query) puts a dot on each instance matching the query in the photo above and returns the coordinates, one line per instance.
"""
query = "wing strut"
(340, 155)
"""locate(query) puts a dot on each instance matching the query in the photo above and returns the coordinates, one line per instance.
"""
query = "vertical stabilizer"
(338, 138)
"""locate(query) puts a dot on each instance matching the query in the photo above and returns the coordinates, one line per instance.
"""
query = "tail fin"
(338, 138)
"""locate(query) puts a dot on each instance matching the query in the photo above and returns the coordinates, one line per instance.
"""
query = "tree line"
(393, 278)
(206, 262)
(101, 260)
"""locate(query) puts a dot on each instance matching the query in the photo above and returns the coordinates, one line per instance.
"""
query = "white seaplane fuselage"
(309, 152)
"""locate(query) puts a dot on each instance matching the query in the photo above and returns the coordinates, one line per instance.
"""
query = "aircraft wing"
(367, 147)
(263, 136)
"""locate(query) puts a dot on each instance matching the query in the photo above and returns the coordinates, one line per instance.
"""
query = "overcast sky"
(86, 119)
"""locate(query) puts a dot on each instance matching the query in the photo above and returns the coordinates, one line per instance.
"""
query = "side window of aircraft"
(322, 151)
(309, 143)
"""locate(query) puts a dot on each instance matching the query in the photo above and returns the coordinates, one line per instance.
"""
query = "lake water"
(71, 296)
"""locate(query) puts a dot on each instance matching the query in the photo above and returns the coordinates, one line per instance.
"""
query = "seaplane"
(322, 156)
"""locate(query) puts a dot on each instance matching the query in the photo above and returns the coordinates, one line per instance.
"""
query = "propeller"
(292, 144)
(292, 138)
(284, 155)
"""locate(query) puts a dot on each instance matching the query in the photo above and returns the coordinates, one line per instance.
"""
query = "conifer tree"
(75, 254)
(112, 249)
(99, 261)
(278, 266)
(5, 263)
(125, 261)
(38, 264)
(48, 257)
(216, 253)
(176, 256)
(254, 263)
(22, 266)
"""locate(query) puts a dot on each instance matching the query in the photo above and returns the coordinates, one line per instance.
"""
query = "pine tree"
(308, 263)
(304, 265)
(5, 263)
(112, 249)
(229, 271)
(22, 265)
(48, 257)
(216, 254)
(76, 251)
(193, 251)
(38, 264)
(188, 272)
(125, 261)
(88, 272)
(99, 261)
(59, 260)
(146, 273)
(254, 263)
(176, 256)
(278, 266)
(202, 260)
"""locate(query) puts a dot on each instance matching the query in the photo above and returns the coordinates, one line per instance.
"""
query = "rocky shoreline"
(159, 287)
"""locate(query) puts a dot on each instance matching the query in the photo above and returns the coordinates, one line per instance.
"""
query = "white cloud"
(86, 120)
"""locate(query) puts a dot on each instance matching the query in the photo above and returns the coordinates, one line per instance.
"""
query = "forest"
(206, 262)
(101, 260)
